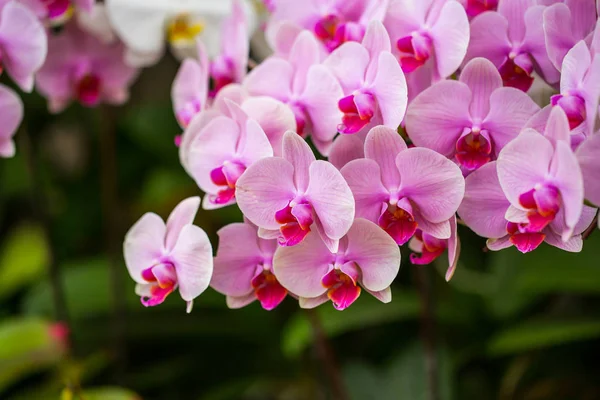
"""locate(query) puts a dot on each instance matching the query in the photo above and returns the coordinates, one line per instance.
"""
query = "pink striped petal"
(182, 215)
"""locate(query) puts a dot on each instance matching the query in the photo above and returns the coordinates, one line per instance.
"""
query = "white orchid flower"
(146, 25)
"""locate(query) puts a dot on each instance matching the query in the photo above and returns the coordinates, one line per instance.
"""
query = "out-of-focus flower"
(244, 267)
(218, 149)
(367, 258)
(11, 115)
(427, 248)
(58, 12)
(430, 38)
(402, 189)
(144, 25)
(484, 210)
(541, 178)
(23, 43)
(290, 196)
(588, 155)
(565, 24)
(471, 119)
(333, 22)
(81, 67)
(372, 80)
(162, 258)
(513, 40)
(307, 87)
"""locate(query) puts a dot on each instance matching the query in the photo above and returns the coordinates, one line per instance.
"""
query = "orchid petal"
(182, 215)
(364, 178)
(382, 145)
(482, 78)
(143, 245)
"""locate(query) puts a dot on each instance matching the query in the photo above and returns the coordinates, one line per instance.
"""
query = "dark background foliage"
(508, 326)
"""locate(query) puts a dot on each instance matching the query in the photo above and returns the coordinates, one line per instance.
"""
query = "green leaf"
(23, 258)
(534, 335)
(109, 393)
(28, 345)
(404, 378)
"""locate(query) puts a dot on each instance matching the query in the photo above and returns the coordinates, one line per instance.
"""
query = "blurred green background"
(508, 326)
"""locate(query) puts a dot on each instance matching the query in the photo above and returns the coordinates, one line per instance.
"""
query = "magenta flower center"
(268, 290)
(358, 109)
(542, 204)
(88, 89)
(415, 51)
(222, 71)
(574, 107)
(57, 8)
(295, 223)
(398, 223)
(524, 241)
(163, 278)
(476, 7)
(342, 289)
(516, 72)
(226, 176)
(473, 149)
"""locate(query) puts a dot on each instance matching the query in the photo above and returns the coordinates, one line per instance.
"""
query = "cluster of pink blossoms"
(419, 113)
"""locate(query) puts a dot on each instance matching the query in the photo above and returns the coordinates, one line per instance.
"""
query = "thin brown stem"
(111, 219)
(327, 357)
(428, 338)
(38, 204)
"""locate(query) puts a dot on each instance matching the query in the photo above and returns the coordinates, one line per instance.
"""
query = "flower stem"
(327, 357)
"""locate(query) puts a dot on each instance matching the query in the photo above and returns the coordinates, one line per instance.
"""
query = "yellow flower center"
(184, 29)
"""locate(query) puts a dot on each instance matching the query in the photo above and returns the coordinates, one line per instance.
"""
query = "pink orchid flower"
(244, 267)
(484, 210)
(217, 149)
(22, 51)
(404, 189)
(306, 86)
(427, 248)
(471, 119)
(57, 12)
(81, 67)
(436, 30)
(579, 89)
(333, 22)
(367, 258)
(231, 65)
(513, 40)
(189, 92)
(476, 7)
(541, 178)
(162, 258)
(11, 109)
(565, 23)
(374, 86)
(288, 197)
(589, 162)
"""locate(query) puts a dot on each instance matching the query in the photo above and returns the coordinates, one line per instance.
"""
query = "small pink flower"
(81, 67)
(22, 51)
(471, 119)
(374, 85)
(512, 38)
(367, 258)
(290, 196)
(541, 179)
(404, 189)
(244, 267)
(216, 150)
(11, 110)
(163, 258)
